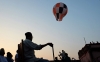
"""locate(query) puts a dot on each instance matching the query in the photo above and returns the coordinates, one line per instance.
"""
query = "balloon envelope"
(60, 10)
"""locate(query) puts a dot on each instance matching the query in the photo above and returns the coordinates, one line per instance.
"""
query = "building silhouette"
(90, 52)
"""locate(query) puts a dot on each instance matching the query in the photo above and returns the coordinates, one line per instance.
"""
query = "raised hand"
(50, 44)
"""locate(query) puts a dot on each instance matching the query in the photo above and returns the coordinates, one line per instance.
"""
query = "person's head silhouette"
(9, 55)
(2, 51)
(63, 51)
(29, 35)
(17, 51)
(56, 58)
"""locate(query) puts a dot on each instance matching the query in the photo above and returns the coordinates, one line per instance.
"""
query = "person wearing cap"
(29, 48)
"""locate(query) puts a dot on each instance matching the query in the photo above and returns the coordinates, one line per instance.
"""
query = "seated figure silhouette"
(2, 53)
(29, 48)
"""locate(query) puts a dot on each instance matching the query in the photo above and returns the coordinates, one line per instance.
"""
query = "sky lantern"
(60, 10)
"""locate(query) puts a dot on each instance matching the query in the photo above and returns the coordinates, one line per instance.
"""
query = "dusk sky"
(20, 16)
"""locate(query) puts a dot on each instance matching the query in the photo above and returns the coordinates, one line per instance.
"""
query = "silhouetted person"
(2, 53)
(9, 57)
(16, 57)
(62, 55)
(2, 58)
(29, 48)
(65, 57)
(56, 59)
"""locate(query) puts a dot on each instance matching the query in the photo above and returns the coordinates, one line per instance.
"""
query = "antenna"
(84, 40)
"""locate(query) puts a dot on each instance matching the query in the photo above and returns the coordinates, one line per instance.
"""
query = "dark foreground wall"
(71, 61)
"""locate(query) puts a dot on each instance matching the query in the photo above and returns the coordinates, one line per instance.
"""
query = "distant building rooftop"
(88, 47)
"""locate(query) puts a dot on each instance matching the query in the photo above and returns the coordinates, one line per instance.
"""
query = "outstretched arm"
(50, 44)
(37, 47)
(44, 45)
